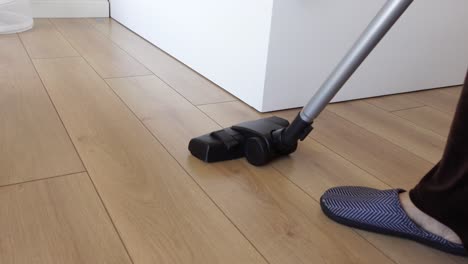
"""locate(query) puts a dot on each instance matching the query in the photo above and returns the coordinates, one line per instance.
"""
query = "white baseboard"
(67, 8)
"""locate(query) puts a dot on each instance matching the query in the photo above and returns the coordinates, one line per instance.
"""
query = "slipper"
(381, 212)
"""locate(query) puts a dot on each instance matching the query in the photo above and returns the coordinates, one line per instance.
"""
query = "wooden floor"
(94, 168)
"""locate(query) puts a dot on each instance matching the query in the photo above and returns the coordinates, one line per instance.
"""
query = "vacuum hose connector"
(286, 139)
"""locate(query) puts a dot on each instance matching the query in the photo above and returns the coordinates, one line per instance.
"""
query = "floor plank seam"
(156, 47)
(376, 105)
(123, 50)
(42, 179)
(409, 122)
(111, 220)
(424, 102)
(228, 101)
(81, 55)
(382, 138)
(52, 58)
(79, 156)
(318, 202)
(95, 189)
(63, 36)
(376, 247)
(368, 100)
(404, 109)
(153, 73)
(117, 78)
(55, 58)
(351, 162)
(53, 105)
(433, 131)
(190, 175)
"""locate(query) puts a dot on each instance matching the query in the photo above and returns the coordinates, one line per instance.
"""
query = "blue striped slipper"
(380, 212)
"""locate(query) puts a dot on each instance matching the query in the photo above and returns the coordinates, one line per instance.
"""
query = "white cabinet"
(274, 54)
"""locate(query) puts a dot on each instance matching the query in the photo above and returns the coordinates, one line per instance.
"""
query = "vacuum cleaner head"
(254, 139)
(260, 141)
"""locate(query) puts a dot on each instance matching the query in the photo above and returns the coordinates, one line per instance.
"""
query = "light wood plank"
(428, 118)
(103, 55)
(33, 142)
(454, 91)
(60, 220)
(160, 212)
(230, 113)
(394, 102)
(437, 99)
(283, 223)
(393, 165)
(315, 169)
(184, 80)
(403, 133)
(44, 41)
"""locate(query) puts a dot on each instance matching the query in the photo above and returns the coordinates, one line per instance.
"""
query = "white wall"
(427, 48)
(274, 54)
(226, 41)
(70, 8)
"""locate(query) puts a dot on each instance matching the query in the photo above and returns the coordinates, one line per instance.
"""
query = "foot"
(426, 222)
(388, 212)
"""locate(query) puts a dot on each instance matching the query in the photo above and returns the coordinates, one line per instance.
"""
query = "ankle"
(427, 222)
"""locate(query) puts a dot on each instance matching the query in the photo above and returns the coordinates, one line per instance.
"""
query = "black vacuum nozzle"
(218, 146)
(260, 141)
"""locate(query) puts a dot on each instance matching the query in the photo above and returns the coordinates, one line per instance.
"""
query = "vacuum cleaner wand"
(263, 140)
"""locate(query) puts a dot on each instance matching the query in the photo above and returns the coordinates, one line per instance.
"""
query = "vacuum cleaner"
(263, 140)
